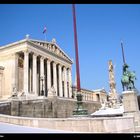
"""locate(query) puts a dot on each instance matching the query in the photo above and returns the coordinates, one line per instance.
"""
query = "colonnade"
(42, 73)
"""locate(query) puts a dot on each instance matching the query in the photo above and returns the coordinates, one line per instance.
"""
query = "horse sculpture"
(128, 78)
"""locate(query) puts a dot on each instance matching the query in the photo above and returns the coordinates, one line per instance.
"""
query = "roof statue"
(53, 40)
(27, 36)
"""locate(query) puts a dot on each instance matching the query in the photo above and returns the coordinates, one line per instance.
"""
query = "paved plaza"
(11, 128)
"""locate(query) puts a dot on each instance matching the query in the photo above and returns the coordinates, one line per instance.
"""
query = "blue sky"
(100, 29)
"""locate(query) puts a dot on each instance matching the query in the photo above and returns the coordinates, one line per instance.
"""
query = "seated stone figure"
(14, 92)
(52, 91)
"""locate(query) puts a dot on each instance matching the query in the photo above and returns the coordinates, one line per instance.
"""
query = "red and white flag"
(45, 29)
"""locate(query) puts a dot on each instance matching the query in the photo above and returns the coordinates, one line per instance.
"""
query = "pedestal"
(41, 97)
(130, 101)
(79, 111)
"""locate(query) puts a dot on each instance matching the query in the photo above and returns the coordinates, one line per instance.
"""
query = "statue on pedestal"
(128, 77)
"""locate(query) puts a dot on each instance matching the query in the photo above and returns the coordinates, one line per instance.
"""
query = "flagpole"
(44, 32)
(45, 37)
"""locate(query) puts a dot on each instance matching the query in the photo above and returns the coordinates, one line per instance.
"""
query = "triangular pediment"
(100, 90)
(51, 47)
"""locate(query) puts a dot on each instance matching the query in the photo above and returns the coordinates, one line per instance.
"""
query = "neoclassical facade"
(99, 95)
(35, 67)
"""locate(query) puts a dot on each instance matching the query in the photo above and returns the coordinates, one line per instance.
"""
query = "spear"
(123, 52)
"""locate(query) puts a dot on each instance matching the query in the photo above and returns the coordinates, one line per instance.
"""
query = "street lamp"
(79, 110)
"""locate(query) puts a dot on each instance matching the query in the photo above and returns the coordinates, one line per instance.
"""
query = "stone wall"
(5, 108)
(1, 81)
(7, 63)
(49, 108)
(86, 125)
(138, 97)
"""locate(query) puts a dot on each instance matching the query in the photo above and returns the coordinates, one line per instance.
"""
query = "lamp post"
(79, 111)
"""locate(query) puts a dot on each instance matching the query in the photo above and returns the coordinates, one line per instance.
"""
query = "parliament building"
(34, 67)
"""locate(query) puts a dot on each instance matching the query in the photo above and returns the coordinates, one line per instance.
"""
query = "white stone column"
(42, 86)
(92, 97)
(60, 80)
(35, 74)
(84, 97)
(15, 72)
(26, 72)
(87, 96)
(65, 83)
(70, 83)
(54, 77)
(48, 74)
(30, 75)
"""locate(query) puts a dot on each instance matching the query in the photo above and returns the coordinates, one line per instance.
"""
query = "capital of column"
(54, 63)
(49, 60)
(35, 54)
(60, 65)
(42, 58)
(69, 69)
(26, 51)
(64, 68)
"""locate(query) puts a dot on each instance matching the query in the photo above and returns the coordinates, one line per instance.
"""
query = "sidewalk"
(11, 128)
